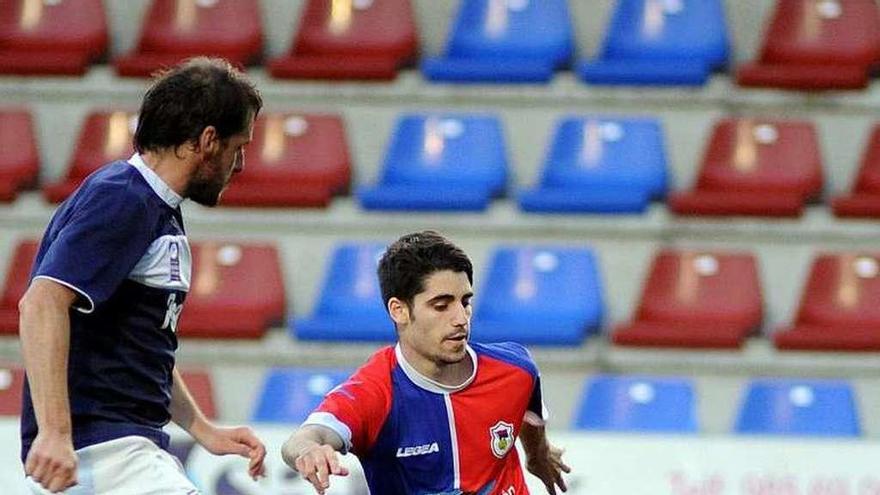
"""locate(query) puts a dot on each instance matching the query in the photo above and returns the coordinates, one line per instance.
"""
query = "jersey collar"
(156, 183)
(428, 384)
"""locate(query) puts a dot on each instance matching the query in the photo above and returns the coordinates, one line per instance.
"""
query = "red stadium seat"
(696, 299)
(864, 200)
(178, 29)
(838, 310)
(104, 137)
(757, 168)
(19, 161)
(815, 45)
(51, 38)
(237, 291)
(17, 279)
(294, 160)
(350, 39)
(11, 387)
(202, 390)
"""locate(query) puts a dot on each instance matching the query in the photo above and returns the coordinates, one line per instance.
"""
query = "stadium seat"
(237, 291)
(696, 299)
(496, 41)
(755, 167)
(104, 137)
(661, 42)
(350, 39)
(20, 161)
(539, 295)
(11, 388)
(295, 160)
(290, 394)
(798, 407)
(817, 45)
(174, 30)
(18, 277)
(864, 198)
(60, 37)
(448, 162)
(642, 404)
(349, 307)
(601, 165)
(200, 387)
(838, 309)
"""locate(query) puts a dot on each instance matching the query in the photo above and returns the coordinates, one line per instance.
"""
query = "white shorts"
(126, 466)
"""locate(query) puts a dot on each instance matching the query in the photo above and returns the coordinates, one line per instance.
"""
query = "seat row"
(808, 45)
(533, 294)
(438, 161)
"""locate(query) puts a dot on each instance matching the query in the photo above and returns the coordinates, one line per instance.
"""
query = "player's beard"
(207, 183)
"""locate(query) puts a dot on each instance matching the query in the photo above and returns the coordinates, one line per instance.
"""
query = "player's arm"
(216, 440)
(543, 459)
(311, 451)
(44, 328)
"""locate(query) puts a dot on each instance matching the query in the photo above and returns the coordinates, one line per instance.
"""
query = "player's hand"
(316, 463)
(239, 440)
(548, 467)
(51, 462)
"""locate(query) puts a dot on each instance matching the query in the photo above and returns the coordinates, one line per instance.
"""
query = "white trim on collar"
(428, 384)
(156, 183)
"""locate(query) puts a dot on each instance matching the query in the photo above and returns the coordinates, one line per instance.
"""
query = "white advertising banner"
(602, 464)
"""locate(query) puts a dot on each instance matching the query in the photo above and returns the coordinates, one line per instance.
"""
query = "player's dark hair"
(186, 99)
(410, 260)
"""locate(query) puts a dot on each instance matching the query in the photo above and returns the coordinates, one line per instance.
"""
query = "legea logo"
(428, 448)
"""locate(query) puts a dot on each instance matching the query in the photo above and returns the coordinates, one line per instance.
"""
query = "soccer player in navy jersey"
(433, 414)
(98, 321)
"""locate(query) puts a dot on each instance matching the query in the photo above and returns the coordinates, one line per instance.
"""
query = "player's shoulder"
(379, 366)
(511, 353)
(115, 189)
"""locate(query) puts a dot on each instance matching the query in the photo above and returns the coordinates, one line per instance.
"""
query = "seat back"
(105, 136)
(868, 177)
(34, 26)
(798, 407)
(351, 287)
(19, 162)
(842, 290)
(290, 394)
(202, 390)
(638, 404)
(11, 388)
(19, 273)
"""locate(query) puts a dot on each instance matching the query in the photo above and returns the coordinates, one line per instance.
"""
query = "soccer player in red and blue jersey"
(433, 414)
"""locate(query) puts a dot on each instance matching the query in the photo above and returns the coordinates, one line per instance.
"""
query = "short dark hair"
(186, 99)
(410, 260)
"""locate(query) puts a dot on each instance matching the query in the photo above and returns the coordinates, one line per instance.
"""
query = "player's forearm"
(184, 410)
(308, 436)
(44, 328)
(534, 440)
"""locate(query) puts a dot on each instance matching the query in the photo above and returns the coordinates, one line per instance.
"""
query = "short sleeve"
(97, 246)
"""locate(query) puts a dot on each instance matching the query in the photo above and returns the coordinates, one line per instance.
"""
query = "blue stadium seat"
(799, 408)
(441, 162)
(539, 295)
(290, 394)
(661, 42)
(496, 41)
(350, 304)
(601, 164)
(638, 404)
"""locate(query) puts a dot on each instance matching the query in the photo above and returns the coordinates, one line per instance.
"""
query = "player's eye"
(441, 307)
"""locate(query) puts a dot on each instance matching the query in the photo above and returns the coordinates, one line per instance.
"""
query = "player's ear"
(399, 311)
(208, 141)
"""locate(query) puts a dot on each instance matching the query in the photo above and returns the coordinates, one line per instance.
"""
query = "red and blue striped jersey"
(413, 435)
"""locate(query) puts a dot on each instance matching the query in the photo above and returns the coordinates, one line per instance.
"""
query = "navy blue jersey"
(119, 243)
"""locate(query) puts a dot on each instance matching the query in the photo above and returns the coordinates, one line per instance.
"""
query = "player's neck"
(172, 169)
(446, 374)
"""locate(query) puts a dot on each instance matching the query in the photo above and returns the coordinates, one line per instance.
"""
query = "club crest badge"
(502, 438)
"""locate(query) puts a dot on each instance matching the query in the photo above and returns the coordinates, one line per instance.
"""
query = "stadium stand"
(644, 404)
(755, 167)
(237, 291)
(798, 407)
(105, 136)
(350, 39)
(601, 164)
(350, 304)
(15, 285)
(838, 310)
(696, 299)
(40, 37)
(441, 161)
(201, 387)
(496, 41)
(11, 388)
(296, 160)
(174, 30)
(539, 294)
(20, 160)
(658, 42)
(289, 395)
(817, 46)
(863, 199)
